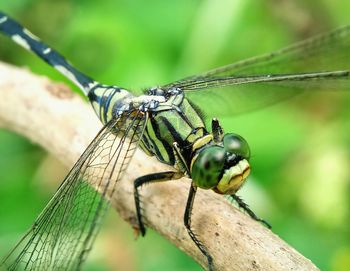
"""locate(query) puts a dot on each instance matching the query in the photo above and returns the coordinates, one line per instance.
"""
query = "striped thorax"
(213, 160)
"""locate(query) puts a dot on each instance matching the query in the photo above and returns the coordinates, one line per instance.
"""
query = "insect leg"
(187, 221)
(150, 178)
(246, 208)
(182, 161)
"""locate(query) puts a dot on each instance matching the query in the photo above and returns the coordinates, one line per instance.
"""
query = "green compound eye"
(237, 145)
(208, 166)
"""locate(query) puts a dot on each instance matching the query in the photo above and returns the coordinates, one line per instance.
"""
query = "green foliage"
(300, 148)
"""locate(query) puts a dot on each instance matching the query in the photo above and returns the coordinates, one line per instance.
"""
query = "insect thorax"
(175, 120)
(171, 119)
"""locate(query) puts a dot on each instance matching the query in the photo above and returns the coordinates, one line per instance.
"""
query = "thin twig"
(50, 115)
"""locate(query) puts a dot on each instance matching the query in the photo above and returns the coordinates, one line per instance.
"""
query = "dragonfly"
(168, 122)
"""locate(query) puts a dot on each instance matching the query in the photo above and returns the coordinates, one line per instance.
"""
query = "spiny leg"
(187, 221)
(150, 178)
(246, 208)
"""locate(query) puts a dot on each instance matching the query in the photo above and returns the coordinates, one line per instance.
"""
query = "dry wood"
(50, 115)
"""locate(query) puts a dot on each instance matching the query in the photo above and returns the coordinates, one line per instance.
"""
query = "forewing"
(319, 63)
(64, 232)
(232, 96)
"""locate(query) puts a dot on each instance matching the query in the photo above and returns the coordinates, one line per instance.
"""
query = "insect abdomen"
(106, 99)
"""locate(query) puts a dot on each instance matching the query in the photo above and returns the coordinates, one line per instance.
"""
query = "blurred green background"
(301, 156)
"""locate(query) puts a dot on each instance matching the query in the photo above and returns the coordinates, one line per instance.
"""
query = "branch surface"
(50, 115)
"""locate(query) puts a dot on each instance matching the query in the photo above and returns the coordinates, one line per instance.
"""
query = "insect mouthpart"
(233, 178)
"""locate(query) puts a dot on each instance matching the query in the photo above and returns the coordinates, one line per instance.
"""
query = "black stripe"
(168, 148)
(102, 102)
(145, 139)
(170, 127)
(93, 97)
(156, 150)
(107, 102)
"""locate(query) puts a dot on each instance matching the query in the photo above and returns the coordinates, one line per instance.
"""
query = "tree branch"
(50, 115)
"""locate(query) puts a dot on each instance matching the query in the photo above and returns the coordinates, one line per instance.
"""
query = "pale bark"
(50, 115)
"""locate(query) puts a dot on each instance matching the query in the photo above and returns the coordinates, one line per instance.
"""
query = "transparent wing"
(64, 232)
(232, 96)
(319, 63)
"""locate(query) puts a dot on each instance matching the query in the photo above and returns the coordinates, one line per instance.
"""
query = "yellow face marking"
(233, 178)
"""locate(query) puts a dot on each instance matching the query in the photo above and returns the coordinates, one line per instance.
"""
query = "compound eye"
(207, 167)
(237, 145)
